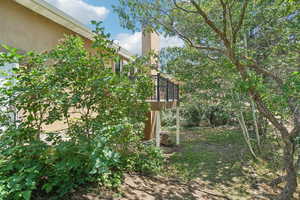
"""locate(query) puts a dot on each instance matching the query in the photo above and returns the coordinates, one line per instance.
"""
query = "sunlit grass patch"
(220, 158)
(225, 137)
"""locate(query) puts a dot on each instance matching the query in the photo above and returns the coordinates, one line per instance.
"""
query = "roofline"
(54, 14)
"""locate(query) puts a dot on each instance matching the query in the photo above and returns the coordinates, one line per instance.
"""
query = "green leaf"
(26, 195)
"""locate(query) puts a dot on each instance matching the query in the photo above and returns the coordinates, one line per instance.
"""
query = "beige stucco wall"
(26, 30)
(23, 29)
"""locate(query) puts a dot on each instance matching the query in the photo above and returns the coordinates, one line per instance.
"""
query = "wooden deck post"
(148, 127)
(177, 126)
(157, 132)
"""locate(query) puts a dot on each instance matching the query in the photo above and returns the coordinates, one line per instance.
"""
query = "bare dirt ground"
(210, 164)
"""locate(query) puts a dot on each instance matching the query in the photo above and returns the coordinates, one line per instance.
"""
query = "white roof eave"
(47, 10)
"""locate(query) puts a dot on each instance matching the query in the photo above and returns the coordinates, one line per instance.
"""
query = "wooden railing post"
(167, 91)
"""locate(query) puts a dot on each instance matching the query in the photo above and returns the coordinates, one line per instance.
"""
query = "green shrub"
(98, 146)
(147, 159)
(55, 170)
(21, 168)
(196, 114)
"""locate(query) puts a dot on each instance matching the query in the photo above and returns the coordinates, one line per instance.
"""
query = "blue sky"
(87, 10)
(111, 22)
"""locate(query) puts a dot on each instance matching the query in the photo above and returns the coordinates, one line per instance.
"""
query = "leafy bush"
(168, 118)
(148, 161)
(196, 114)
(101, 112)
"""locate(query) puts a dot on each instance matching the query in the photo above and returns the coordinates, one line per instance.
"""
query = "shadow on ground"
(138, 187)
(219, 159)
(210, 164)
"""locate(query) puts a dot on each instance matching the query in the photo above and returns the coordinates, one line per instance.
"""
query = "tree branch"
(259, 102)
(188, 40)
(242, 16)
(266, 73)
(224, 17)
(171, 28)
(183, 9)
(296, 115)
(211, 24)
(269, 115)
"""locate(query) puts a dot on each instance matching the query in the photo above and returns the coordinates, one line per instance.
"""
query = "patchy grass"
(209, 164)
(219, 159)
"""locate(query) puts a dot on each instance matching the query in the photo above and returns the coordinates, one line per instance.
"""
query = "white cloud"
(133, 42)
(81, 10)
(170, 42)
(130, 42)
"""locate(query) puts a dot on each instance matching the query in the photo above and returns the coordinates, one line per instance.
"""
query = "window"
(118, 66)
(6, 72)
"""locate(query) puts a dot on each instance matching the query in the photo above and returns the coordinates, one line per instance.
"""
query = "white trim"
(50, 12)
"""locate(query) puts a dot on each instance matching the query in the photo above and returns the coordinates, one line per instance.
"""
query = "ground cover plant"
(100, 112)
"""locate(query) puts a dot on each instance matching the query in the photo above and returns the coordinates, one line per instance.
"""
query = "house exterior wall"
(26, 30)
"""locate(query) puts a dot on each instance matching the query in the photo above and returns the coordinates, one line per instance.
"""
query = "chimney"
(150, 42)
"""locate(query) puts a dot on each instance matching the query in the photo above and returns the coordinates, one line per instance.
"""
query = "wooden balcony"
(165, 93)
(164, 90)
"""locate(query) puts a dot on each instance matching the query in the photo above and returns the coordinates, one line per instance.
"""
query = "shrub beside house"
(67, 117)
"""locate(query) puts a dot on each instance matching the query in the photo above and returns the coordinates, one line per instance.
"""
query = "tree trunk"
(287, 137)
(262, 124)
(255, 124)
(246, 134)
(291, 177)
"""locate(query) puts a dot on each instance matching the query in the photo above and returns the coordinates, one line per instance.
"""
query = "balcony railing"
(164, 90)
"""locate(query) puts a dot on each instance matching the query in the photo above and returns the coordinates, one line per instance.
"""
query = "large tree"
(260, 40)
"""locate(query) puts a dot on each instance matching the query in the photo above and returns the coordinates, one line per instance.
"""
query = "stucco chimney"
(150, 42)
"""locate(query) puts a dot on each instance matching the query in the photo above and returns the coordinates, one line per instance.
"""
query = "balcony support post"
(177, 126)
(158, 87)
